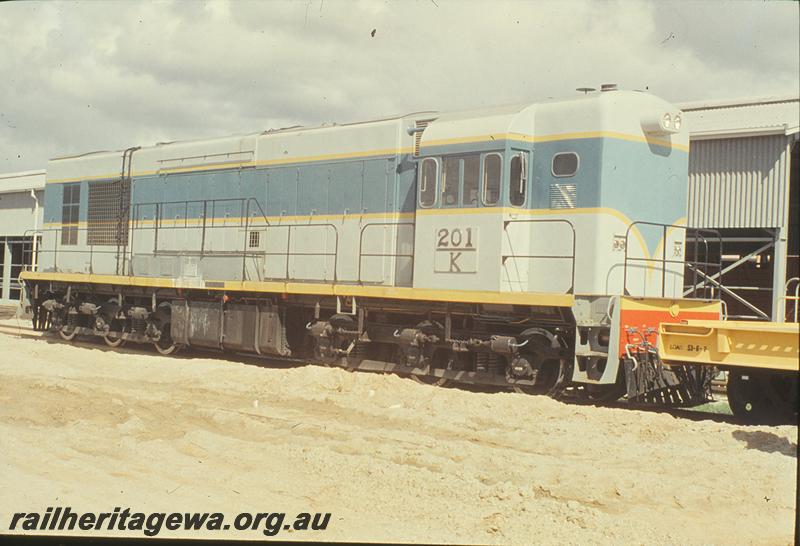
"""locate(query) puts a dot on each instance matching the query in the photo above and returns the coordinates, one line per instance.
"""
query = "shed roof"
(743, 117)
(22, 181)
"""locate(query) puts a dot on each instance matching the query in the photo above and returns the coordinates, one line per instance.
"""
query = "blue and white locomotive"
(532, 246)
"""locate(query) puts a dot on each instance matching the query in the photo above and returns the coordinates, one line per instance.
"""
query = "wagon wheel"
(761, 399)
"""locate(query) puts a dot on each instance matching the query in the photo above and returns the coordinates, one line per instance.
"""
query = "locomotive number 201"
(454, 238)
(456, 250)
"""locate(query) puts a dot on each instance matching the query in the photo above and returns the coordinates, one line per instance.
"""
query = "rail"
(362, 254)
(699, 268)
(571, 257)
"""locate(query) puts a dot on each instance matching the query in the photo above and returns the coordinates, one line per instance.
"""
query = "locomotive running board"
(281, 287)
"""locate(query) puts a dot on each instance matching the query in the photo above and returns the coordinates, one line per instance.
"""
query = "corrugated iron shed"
(744, 117)
(743, 167)
(739, 161)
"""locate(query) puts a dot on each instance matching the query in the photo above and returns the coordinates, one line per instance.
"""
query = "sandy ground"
(390, 459)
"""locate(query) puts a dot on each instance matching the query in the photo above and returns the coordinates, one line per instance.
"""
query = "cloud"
(97, 75)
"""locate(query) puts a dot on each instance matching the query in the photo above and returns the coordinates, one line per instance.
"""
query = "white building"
(21, 208)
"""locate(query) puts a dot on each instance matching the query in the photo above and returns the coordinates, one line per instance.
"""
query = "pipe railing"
(570, 257)
(699, 268)
(202, 215)
(362, 254)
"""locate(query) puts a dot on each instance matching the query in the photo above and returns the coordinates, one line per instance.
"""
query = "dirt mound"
(392, 460)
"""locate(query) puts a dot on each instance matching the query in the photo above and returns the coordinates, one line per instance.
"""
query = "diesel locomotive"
(534, 246)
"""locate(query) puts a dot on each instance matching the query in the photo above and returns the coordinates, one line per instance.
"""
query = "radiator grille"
(107, 219)
(563, 196)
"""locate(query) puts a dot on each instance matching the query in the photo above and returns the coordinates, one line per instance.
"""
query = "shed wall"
(17, 213)
(738, 182)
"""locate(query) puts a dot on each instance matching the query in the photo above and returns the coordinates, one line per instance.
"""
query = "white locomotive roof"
(609, 112)
(615, 111)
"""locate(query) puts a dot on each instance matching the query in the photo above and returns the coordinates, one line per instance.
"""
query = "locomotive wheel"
(605, 393)
(548, 380)
(114, 341)
(166, 345)
(165, 348)
(319, 356)
(608, 393)
(67, 332)
(430, 380)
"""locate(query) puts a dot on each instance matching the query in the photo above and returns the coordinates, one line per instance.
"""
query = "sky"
(86, 76)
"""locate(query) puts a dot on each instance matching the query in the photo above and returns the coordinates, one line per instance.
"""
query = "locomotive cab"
(585, 196)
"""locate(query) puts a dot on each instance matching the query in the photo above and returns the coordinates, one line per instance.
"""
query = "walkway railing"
(703, 271)
(384, 225)
(204, 217)
(570, 256)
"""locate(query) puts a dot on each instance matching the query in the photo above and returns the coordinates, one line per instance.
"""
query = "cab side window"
(450, 179)
(565, 164)
(492, 175)
(472, 168)
(518, 181)
(427, 182)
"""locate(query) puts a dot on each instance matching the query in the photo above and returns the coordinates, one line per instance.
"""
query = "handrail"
(60, 249)
(362, 255)
(571, 257)
(694, 265)
(288, 254)
(796, 298)
(243, 223)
